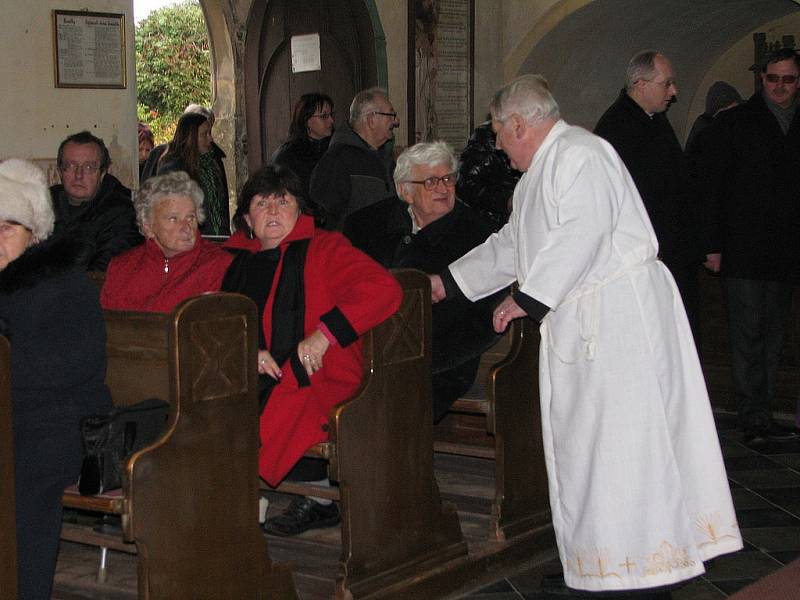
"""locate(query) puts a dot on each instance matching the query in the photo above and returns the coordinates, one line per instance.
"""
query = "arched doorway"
(351, 42)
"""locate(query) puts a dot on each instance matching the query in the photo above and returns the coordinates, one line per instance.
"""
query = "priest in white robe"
(638, 489)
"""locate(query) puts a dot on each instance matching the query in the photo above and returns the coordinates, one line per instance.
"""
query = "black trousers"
(757, 315)
(47, 459)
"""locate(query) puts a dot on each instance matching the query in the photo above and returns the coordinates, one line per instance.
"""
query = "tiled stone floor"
(765, 483)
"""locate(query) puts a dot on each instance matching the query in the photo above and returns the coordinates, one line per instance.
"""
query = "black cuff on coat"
(451, 289)
(339, 326)
(535, 309)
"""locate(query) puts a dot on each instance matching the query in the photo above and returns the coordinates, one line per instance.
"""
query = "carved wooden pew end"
(191, 516)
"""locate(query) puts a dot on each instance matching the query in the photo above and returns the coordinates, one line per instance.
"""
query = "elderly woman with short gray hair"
(175, 262)
(427, 228)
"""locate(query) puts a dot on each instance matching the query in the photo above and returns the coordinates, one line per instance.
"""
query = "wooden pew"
(189, 502)
(500, 418)
(8, 539)
(395, 531)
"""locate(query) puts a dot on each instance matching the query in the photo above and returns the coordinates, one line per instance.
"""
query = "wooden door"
(348, 56)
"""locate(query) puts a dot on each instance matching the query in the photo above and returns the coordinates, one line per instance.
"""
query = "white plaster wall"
(36, 115)
(733, 66)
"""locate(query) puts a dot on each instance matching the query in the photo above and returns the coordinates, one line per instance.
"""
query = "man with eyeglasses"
(90, 204)
(425, 227)
(637, 126)
(748, 165)
(356, 170)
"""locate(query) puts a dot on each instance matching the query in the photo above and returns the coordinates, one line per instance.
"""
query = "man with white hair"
(426, 227)
(356, 170)
(638, 490)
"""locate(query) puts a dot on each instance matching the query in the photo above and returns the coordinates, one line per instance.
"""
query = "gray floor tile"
(731, 448)
(786, 557)
(766, 517)
(773, 538)
(790, 460)
(698, 589)
(744, 499)
(741, 565)
(733, 585)
(750, 463)
(766, 479)
(781, 496)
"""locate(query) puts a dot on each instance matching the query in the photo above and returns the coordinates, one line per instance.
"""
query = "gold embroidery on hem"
(666, 559)
(709, 527)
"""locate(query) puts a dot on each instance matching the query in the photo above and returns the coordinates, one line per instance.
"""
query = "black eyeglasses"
(325, 116)
(430, 183)
(385, 114)
(786, 79)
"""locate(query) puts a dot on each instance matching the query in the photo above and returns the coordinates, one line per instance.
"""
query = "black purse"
(109, 439)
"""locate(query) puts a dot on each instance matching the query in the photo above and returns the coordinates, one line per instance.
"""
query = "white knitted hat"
(25, 197)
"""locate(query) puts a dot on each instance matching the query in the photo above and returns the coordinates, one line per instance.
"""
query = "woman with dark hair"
(51, 315)
(192, 149)
(309, 136)
(316, 295)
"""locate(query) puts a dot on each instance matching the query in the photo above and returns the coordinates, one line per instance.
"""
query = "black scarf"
(253, 275)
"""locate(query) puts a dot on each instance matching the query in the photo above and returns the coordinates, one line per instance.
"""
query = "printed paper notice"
(305, 53)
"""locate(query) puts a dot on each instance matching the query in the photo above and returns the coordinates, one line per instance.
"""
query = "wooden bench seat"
(500, 419)
(395, 530)
(189, 502)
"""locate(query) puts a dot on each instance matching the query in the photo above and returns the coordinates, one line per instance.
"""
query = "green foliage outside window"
(173, 66)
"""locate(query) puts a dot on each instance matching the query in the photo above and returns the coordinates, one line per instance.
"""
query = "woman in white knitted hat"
(49, 310)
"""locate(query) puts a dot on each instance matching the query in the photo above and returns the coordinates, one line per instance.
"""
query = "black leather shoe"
(303, 514)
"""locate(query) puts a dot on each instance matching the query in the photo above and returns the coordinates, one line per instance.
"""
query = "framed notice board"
(89, 49)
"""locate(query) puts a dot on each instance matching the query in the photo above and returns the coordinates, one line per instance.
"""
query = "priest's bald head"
(523, 112)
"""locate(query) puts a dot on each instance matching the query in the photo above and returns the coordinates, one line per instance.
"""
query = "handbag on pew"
(108, 440)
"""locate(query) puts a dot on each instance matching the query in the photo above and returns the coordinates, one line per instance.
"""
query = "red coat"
(340, 282)
(144, 279)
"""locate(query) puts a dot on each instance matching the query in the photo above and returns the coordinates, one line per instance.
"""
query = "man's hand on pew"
(506, 311)
(311, 350)
(437, 289)
(268, 366)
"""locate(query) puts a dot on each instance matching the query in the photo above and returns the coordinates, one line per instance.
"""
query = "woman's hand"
(268, 366)
(506, 311)
(437, 289)
(311, 350)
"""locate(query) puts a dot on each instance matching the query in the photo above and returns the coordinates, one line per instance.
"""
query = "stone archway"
(598, 37)
(224, 87)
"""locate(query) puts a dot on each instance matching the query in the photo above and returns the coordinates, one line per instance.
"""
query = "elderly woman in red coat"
(316, 295)
(174, 263)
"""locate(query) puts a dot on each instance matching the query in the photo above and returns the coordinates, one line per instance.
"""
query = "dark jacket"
(106, 224)
(170, 165)
(151, 164)
(348, 177)
(462, 330)
(655, 159)
(50, 312)
(486, 180)
(301, 156)
(747, 169)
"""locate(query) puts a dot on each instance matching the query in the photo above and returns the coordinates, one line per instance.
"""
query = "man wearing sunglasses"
(356, 170)
(747, 168)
